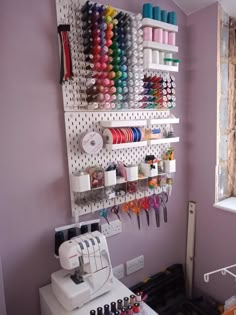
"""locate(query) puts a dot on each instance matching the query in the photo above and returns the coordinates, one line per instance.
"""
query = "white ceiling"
(191, 6)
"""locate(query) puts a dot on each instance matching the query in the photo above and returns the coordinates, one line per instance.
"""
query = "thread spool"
(173, 18)
(147, 11)
(158, 35)
(157, 13)
(161, 57)
(164, 16)
(172, 38)
(155, 57)
(165, 37)
(147, 54)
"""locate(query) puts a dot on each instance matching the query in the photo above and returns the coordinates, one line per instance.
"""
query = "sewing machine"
(87, 271)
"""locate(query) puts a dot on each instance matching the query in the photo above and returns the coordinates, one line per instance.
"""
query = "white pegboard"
(80, 122)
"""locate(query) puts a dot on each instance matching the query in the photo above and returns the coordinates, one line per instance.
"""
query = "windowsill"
(228, 204)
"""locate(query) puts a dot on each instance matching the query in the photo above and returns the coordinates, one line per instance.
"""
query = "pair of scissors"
(145, 204)
(135, 207)
(103, 214)
(115, 209)
(155, 204)
(164, 199)
(125, 207)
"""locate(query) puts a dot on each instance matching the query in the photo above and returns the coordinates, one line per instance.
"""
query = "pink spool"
(158, 35)
(147, 34)
(172, 38)
(165, 37)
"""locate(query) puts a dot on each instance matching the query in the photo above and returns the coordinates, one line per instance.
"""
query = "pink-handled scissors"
(155, 203)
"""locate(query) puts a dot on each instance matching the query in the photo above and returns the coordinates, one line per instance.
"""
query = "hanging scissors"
(115, 209)
(164, 199)
(135, 207)
(155, 204)
(144, 203)
(103, 214)
(125, 207)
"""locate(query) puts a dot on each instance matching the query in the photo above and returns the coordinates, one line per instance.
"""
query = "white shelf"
(126, 145)
(159, 24)
(152, 66)
(162, 141)
(163, 121)
(160, 47)
(123, 123)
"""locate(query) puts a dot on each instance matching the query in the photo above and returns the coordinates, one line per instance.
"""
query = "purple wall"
(34, 194)
(215, 234)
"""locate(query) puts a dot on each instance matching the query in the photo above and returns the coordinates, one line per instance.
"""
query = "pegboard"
(80, 122)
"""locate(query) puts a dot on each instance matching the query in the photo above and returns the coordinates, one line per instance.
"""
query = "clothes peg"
(135, 207)
(125, 207)
(144, 202)
(103, 214)
(115, 209)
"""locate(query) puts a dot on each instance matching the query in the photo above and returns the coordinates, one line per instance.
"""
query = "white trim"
(228, 204)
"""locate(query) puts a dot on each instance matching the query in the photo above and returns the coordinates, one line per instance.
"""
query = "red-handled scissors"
(145, 204)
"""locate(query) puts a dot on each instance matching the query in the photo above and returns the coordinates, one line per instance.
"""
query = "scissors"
(144, 203)
(164, 199)
(155, 204)
(135, 207)
(103, 214)
(115, 209)
(125, 207)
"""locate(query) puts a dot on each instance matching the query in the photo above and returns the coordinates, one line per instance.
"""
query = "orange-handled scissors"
(125, 207)
(136, 208)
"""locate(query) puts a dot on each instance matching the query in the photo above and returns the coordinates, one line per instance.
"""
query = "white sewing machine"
(87, 271)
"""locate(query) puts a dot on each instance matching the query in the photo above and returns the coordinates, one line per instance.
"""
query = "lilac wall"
(34, 194)
(215, 234)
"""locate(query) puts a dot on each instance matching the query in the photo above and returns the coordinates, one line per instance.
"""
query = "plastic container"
(80, 182)
(132, 173)
(170, 166)
(110, 178)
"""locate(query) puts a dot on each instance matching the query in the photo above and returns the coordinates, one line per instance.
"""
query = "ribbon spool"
(91, 142)
(123, 135)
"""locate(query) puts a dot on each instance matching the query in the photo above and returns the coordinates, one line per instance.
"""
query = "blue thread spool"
(157, 13)
(173, 18)
(147, 10)
(169, 18)
(164, 16)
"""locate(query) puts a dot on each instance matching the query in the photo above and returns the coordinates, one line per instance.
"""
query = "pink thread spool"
(147, 34)
(172, 38)
(165, 37)
(158, 35)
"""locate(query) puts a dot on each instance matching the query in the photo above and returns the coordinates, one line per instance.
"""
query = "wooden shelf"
(160, 47)
(159, 24)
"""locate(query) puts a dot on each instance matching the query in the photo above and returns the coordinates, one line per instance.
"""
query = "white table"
(50, 305)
